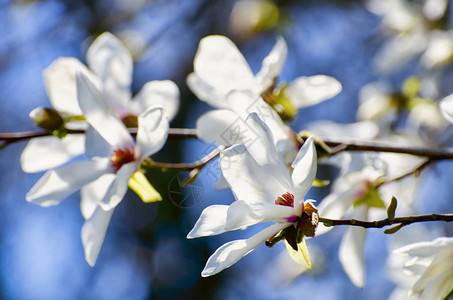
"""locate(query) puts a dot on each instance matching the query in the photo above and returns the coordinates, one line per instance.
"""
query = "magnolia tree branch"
(335, 144)
(386, 222)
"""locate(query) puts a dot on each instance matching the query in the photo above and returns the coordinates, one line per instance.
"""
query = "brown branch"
(185, 166)
(386, 222)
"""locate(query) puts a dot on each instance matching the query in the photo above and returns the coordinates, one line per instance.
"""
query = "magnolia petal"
(205, 92)
(446, 107)
(91, 194)
(272, 65)
(48, 152)
(248, 180)
(219, 63)
(242, 214)
(211, 222)
(426, 249)
(231, 252)
(357, 130)
(399, 51)
(220, 127)
(308, 91)
(118, 187)
(247, 102)
(99, 115)
(152, 132)
(93, 233)
(351, 253)
(57, 184)
(440, 286)
(164, 93)
(96, 145)
(60, 82)
(436, 267)
(112, 62)
(304, 168)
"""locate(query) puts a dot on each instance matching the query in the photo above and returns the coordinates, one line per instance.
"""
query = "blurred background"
(145, 254)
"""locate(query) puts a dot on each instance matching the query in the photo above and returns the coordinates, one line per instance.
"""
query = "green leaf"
(320, 183)
(371, 199)
(301, 256)
(141, 186)
(393, 229)
(392, 208)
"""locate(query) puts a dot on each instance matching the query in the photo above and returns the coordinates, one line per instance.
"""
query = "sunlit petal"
(48, 152)
(304, 168)
(93, 233)
(233, 251)
(92, 193)
(272, 64)
(152, 132)
(57, 184)
(308, 91)
(211, 222)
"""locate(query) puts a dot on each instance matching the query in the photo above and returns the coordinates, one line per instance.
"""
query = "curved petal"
(426, 249)
(152, 132)
(118, 187)
(248, 180)
(436, 267)
(308, 91)
(440, 286)
(211, 222)
(205, 92)
(92, 193)
(304, 169)
(241, 214)
(57, 184)
(246, 102)
(219, 63)
(351, 251)
(48, 152)
(96, 145)
(231, 252)
(446, 107)
(60, 82)
(357, 130)
(99, 115)
(272, 65)
(164, 93)
(221, 127)
(93, 233)
(112, 62)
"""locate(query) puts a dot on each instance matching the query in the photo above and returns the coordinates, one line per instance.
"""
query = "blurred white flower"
(352, 194)
(428, 269)
(110, 70)
(115, 157)
(415, 35)
(264, 191)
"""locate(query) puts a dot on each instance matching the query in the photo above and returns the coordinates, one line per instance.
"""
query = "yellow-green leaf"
(320, 183)
(301, 256)
(371, 199)
(393, 229)
(141, 186)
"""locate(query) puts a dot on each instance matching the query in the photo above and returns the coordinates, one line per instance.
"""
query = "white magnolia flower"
(264, 191)
(106, 174)
(428, 268)
(412, 22)
(352, 194)
(446, 107)
(223, 79)
(110, 69)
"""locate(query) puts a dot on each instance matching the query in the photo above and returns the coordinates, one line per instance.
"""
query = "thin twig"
(414, 172)
(387, 221)
(185, 166)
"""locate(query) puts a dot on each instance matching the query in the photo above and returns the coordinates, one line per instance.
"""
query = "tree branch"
(386, 222)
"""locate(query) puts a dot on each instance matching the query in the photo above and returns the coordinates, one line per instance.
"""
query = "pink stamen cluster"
(287, 199)
(121, 157)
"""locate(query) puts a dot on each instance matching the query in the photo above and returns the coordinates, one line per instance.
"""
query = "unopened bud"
(47, 118)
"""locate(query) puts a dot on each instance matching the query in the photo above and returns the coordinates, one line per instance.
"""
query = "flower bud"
(47, 118)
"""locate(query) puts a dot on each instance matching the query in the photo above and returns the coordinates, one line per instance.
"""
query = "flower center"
(121, 157)
(130, 121)
(287, 199)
